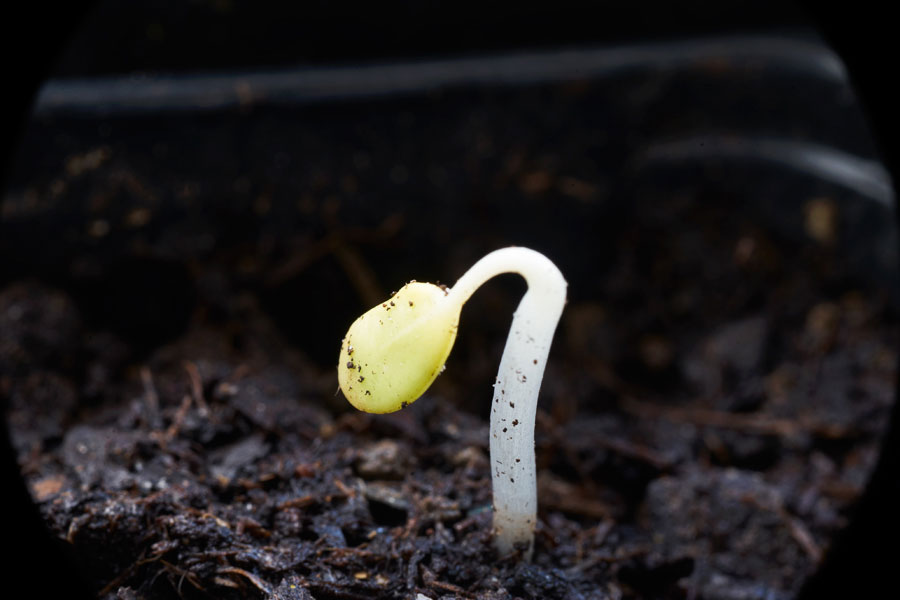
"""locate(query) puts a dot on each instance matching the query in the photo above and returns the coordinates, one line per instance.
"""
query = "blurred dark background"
(193, 35)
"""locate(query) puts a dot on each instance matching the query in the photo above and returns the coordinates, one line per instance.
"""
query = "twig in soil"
(755, 423)
(803, 537)
(337, 555)
(126, 573)
(598, 536)
(254, 528)
(412, 569)
(227, 386)
(620, 556)
(182, 574)
(301, 502)
(431, 581)
(180, 415)
(463, 526)
(335, 590)
(411, 526)
(568, 498)
(301, 261)
(151, 399)
(360, 273)
(340, 243)
(346, 490)
(795, 527)
(259, 583)
(196, 387)
(636, 452)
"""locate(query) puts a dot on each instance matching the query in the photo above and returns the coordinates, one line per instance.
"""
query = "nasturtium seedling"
(392, 354)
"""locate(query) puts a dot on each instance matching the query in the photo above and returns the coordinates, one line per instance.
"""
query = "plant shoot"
(392, 354)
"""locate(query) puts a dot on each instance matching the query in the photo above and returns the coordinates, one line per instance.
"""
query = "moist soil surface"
(223, 466)
(712, 408)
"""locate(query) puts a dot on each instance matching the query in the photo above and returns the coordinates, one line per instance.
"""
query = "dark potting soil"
(712, 408)
(223, 466)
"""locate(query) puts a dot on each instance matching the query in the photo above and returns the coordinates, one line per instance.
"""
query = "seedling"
(392, 354)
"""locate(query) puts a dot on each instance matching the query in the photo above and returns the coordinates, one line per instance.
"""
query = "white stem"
(519, 378)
